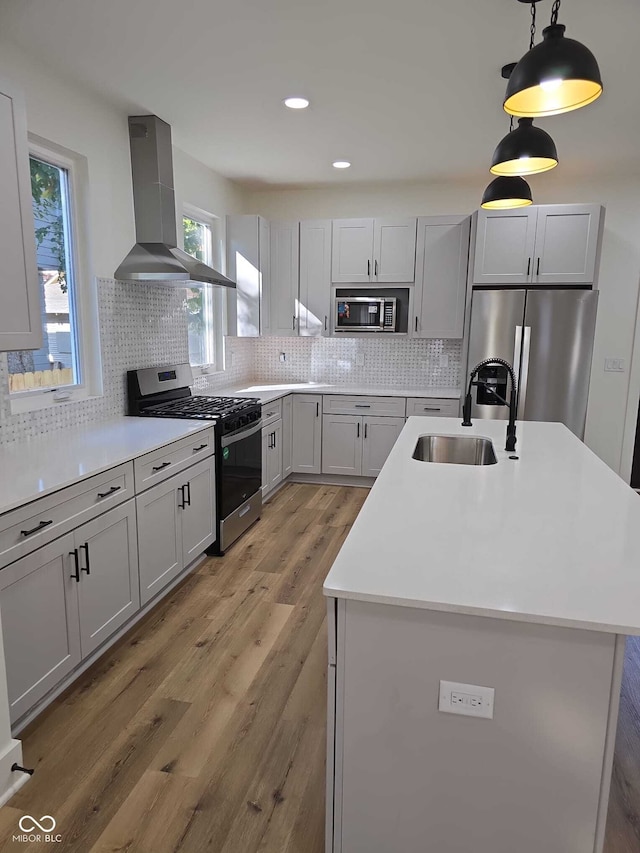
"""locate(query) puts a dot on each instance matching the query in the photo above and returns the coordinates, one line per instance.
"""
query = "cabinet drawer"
(271, 412)
(341, 404)
(434, 408)
(33, 525)
(157, 466)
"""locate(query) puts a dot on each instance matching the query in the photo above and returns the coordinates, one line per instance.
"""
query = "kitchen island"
(519, 578)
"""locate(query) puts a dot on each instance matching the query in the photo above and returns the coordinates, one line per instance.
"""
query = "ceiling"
(404, 89)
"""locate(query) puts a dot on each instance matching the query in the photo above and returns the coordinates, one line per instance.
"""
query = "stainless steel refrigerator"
(547, 335)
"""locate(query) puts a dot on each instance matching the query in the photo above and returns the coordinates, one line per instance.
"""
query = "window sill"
(34, 401)
(207, 370)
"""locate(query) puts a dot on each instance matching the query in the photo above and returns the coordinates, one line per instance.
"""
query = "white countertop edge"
(194, 427)
(268, 392)
(464, 610)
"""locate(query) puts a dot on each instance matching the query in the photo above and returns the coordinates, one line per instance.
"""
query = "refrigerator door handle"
(524, 371)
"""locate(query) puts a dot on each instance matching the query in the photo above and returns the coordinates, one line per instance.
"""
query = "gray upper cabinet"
(567, 243)
(283, 293)
(441, 276)
(547, 245)
(373, 250)
(20, 320)
(505, 241)
(39, 607)
(314, 306)
(248, 264)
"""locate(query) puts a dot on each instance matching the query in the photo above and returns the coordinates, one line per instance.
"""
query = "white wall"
(64, 112)
(619, 272)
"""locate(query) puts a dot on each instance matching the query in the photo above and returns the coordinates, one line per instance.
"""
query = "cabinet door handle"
(160, 467)
(293, 325)
(275, 441)
(75, 575)
(365, 430)
(317, 410)
(376, 269)
(369, 268)
(187, 499)
(538, 267)
(199, 448)
(325, 322)
(362, 406)
(86, 568)
(430, 409)
(528, 266)
(40, 526)
(110, 492)
(416, 326)
(181, 495)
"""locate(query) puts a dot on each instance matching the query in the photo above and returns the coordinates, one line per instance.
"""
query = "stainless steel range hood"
(155, 256)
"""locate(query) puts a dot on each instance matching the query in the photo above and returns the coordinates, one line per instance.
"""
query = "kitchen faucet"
(512, 404)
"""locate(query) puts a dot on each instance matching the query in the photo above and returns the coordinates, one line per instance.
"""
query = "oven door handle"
(234, 437)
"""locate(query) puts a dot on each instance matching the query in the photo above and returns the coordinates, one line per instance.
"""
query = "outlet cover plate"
(470, 700)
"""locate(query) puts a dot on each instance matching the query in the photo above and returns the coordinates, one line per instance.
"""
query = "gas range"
(165, 392)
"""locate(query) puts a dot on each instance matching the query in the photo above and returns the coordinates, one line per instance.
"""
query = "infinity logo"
(45, 824)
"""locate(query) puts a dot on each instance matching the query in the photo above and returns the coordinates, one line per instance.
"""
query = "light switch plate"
(470, 700)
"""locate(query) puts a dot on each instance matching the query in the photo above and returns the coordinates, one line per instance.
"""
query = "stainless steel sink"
(455, 450)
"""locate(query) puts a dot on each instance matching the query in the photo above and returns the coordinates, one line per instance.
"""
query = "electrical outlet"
(470, 700)
(283, 357)
(614, 365)
(359, 360)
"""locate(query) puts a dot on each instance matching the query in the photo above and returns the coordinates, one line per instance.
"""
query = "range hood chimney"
(155, 256)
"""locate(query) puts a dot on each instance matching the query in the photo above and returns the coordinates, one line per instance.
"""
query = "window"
(205, 304)
(57, 364)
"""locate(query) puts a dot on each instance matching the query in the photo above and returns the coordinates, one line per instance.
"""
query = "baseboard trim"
(332, 480)
(11, 780)
(56, 691)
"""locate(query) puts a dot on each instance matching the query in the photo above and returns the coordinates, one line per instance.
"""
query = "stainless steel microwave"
(365, 314)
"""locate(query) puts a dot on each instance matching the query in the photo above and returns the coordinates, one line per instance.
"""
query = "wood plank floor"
(204, 728)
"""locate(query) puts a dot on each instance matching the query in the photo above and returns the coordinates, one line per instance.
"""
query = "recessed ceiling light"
(296, 103)
(341, 164)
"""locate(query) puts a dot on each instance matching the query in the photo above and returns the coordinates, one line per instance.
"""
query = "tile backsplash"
(356, 361)
(146, 324)
(140, 325)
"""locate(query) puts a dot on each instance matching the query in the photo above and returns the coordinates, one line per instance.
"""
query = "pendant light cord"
(554, 11)
(533, 25)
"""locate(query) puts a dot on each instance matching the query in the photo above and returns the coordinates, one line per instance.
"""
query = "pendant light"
(506, 192)
(527, 150)
(556, 76)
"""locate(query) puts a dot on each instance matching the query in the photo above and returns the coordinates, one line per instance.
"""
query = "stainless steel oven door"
(359, 314)
(240, 467)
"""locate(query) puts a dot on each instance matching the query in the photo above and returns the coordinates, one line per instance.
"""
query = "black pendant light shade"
(505, 192)
(527, 150)
(557, 75)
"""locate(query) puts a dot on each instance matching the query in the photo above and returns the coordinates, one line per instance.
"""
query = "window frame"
(215, 296)
(84, 294)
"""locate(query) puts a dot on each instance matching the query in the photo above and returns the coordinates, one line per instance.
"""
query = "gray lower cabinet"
(307, 433)
(61, 602)
(172, 532)
(356, 445)
(40, 624)
(108, 590)
(287, 436)
(271, 457)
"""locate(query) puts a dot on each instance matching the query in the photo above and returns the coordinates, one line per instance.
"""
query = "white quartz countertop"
(267, 392)
(32, 469)
(553, 538)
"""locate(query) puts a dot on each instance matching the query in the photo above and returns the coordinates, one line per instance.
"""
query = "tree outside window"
(198, 241)
(56, 363)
